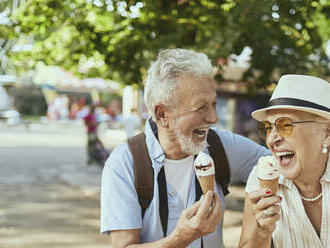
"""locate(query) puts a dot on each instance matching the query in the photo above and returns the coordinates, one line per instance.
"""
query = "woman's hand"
(266, 209)
(261, 211)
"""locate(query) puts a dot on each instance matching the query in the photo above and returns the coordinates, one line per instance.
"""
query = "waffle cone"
(269, 184)
(207, 183)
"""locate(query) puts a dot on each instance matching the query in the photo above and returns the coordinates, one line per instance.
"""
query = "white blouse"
(294, 228)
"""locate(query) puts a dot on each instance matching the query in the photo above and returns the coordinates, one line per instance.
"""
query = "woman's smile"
(285, 157)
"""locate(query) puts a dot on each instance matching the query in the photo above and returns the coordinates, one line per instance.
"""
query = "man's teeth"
(201, 131)
(280, 154)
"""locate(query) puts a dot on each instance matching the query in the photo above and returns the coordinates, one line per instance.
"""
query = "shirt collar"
(286, 182)
(154, 148)
(325, 178)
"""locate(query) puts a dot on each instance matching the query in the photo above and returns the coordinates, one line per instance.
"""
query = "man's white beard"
(187, 144)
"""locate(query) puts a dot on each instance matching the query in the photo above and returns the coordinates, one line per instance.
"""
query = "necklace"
(311, 199)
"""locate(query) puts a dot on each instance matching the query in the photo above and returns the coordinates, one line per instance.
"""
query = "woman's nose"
(274, 136)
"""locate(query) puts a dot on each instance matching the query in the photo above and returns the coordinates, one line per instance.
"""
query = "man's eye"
(201, 107)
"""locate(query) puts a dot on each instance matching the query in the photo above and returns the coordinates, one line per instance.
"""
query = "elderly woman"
(296, 128)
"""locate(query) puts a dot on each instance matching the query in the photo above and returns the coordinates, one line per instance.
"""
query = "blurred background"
(59, 59)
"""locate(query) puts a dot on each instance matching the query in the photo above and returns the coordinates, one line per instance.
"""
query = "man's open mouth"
(201, 132)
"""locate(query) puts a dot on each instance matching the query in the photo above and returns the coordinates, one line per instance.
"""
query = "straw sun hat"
(300, 92)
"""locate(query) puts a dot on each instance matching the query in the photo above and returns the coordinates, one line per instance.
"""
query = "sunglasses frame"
(263, 136)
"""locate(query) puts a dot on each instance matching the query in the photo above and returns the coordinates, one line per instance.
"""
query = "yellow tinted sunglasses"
(284, 126)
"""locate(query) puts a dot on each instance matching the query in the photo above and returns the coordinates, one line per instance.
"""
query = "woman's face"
(300, 153)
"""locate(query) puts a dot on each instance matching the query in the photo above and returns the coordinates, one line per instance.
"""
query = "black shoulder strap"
(217, 152)
(143, 171)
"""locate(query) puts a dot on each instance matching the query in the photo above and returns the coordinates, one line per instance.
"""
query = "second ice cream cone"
(269, 184)
(268, 173)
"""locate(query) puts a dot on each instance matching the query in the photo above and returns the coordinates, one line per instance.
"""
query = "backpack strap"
(217, 152)
(143, 171)
(144, 174)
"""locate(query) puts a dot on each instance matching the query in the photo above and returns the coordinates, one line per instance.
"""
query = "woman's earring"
(325, 149)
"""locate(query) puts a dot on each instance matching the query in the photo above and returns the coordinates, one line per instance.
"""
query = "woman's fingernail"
(268, 191)
(280, 198)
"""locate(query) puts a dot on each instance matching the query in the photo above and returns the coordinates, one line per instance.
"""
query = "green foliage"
(74, 33)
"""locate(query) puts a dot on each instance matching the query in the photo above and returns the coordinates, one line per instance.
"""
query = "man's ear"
(161, 115)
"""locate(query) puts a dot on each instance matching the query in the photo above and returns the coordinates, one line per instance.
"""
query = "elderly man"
(181, 98)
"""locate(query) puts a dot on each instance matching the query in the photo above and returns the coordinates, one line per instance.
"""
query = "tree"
(5, 43)
(118, 39)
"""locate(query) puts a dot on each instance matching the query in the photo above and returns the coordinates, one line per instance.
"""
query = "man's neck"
(170, 144)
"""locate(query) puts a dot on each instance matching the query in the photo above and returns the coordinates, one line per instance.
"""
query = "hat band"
(298, 103)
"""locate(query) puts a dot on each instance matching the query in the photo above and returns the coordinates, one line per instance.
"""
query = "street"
(50, 197)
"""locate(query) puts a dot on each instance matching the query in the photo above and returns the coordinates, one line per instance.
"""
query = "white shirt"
(178, 175)
(294, 228)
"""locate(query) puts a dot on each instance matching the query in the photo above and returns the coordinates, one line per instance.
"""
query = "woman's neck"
(308, 183)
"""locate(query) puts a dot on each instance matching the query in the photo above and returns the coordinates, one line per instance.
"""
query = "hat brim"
(260, 114)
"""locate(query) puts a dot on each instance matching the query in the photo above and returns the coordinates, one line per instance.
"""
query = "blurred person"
(181, 98)
(132, 123)
(82, 112)
(91, 126)
(296, 128)
(58, 109)
(79, 109)
(95, 149)
(63, 108)
(101, 115)
(73, 110)
(114, 110)
(52, 112)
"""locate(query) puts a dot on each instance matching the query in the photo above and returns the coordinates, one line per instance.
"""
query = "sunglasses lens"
(264, 128)
(284, 126)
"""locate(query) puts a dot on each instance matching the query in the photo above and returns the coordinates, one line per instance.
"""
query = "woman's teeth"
(285, 156)
(280, 154)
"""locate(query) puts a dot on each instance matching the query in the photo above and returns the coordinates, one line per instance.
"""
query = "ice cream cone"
(269, 184)
(268, 173)
(207, 183)
(204, 167)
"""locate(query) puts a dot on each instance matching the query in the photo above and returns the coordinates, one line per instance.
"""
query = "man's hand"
(199, 220)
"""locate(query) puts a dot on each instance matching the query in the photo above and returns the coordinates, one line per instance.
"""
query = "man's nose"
(212, 116)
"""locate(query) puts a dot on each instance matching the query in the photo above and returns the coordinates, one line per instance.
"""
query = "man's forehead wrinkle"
(190, 103)
(203, 97)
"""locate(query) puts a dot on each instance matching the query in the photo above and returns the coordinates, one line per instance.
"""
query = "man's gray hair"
(171, 64)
